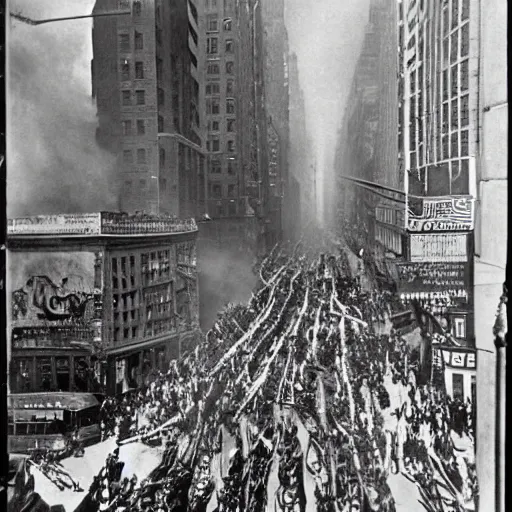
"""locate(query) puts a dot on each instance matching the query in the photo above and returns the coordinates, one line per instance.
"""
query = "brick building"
(147, 81)
(98, 300)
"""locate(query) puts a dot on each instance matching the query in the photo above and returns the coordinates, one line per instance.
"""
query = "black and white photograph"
(255, 256)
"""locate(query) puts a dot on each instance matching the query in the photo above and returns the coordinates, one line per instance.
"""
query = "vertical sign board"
(439, 247)
(445, 213)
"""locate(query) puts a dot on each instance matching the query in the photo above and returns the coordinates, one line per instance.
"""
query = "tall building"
(455, 127)
(147, 81)
(98, 300)
(301, 173)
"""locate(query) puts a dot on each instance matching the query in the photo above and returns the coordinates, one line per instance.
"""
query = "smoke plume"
(54, 164)
(226, 277)
(327, 36)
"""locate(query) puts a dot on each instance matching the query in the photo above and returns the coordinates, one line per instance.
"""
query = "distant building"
(147, 83)
(98, 301)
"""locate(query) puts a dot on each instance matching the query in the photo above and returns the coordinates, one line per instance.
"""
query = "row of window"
(127, 99)
(456, 44)
(213, 106)
(213, 68)
(125, 39)
(457, 6)
(141, 156)
(213, 145)
(143, 184)
(137, 6)
(125, 70)
(213, 88)
(212, 23)
(220, 210)
(216, 166)
(229, 5)
(216, 190)
(212, 45)
(140, 127)
(214, 125)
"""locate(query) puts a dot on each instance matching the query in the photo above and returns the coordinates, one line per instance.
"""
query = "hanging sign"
(439, 247)
(432, 276)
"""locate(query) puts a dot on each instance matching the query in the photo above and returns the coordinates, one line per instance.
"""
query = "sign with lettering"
(69, 224)
(439, 247)
(432, 276)
(459, 359)
(451, 213)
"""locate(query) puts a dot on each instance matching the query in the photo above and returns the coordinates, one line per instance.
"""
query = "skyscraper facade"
(146, 74)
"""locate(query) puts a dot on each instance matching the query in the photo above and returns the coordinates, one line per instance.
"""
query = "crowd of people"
(300, 377)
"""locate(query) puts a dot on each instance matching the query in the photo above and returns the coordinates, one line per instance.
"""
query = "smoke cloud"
(226, 276)
(327, 36)
(54, 162)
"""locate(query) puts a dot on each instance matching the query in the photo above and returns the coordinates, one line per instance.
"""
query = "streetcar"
(46, 421)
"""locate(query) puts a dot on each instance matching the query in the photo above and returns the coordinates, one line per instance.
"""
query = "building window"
(230, 106)
(455, 13)
(464, 110)
(141, 156)
(465, 10)
(458, 386)
(140, 97)
(454, 144)
(464, 143)
(161, 160)
(231, 146)
(215, 126)
(163, 185)
(125, 69)
(215, 106)
(455, 115)
(454, 46)
(158, 35)
(127, 127)
(232, 208)
(230, 87)
(213, 68)
(139, 70)
(124, 42)
(216, 167)
(127, 156)
(213, 23)
(217, 191)
(141, 127)
(231, 125)
(229, 46)
(212, 88)
(212, 45)
(227, 24)
(229, 67)
(139, 41)
(215, 145)
(160, 124)
(228, 6)
(455, 80)
(161, 97)
(127, 98)
(142, 184)
(464, 75)
(137, 8)
(445, 118)
(446, 147)
(464, 40)
(231, 190)
(231, 166)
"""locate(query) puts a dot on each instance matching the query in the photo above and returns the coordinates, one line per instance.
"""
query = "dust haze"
(54, 162)
(327, 36)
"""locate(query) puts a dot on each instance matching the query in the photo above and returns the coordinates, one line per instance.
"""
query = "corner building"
(146, 81)
(99, 301)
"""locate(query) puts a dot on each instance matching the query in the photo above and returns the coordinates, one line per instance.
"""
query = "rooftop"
(99, 224)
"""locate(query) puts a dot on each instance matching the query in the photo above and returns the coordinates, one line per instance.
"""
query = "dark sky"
(51, 120)
(326, 35)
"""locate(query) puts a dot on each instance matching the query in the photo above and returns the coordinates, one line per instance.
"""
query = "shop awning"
(64, 401)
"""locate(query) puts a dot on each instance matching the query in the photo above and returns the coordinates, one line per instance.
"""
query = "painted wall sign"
(432, 276)
(439, 247)
(71, 224)
(55, 291)
(454, 213)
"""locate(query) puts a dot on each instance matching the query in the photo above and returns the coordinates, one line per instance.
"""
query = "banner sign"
(70, 224)
(432, 276)
(459, 359)
(439, 247)
(453, 213)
